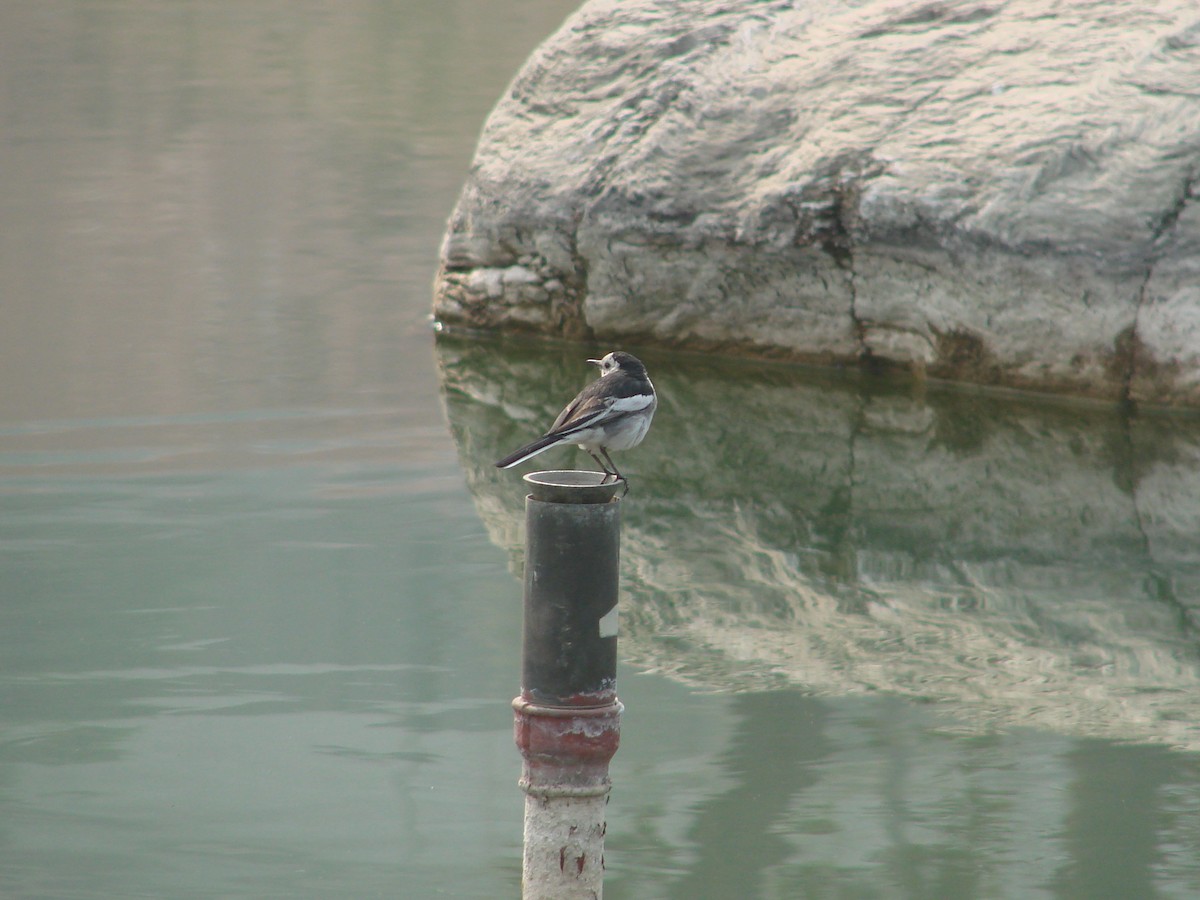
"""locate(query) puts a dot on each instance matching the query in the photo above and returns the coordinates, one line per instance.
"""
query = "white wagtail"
(611, 413)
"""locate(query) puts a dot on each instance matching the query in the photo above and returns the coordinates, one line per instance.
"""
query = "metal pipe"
(567, 719)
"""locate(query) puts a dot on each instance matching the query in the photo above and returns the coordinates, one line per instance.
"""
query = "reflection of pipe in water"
(567, 721)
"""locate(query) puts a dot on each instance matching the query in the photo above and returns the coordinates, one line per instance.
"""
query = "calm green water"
(259, 625)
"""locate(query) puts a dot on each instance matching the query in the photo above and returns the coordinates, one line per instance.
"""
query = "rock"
(487, 281)
(519, 275)
(975, 191)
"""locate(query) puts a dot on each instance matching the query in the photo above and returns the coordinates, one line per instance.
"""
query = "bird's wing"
(586, 409)
(599, 411)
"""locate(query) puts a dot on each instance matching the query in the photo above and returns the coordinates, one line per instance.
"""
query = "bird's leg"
(608, 459)
(601, 464)
(614, 470)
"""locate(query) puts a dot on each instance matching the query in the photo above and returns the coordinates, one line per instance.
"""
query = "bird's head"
(619, 359)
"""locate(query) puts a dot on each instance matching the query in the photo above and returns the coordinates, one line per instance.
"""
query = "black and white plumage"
(611, 413)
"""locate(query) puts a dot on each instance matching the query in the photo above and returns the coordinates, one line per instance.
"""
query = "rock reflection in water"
(1018, 562)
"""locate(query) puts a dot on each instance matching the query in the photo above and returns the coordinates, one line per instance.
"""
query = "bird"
(611, 413)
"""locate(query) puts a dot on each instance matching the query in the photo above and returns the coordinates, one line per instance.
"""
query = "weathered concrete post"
(568, 718)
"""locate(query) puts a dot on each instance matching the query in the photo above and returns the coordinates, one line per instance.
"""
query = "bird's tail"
(531, 450)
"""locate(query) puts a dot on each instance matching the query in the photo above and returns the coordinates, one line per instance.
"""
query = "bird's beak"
(595, 362)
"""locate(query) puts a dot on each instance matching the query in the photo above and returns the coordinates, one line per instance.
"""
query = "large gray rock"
(993, 192)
